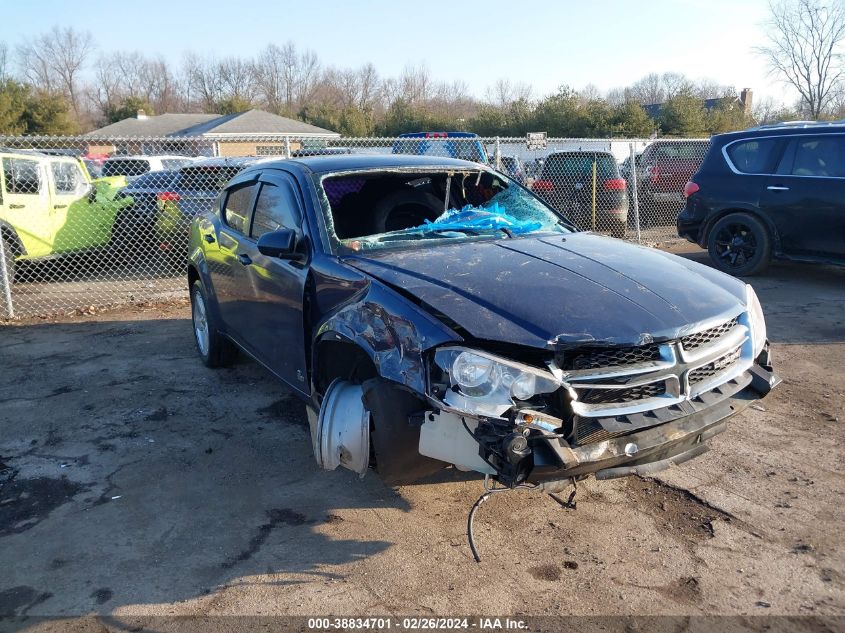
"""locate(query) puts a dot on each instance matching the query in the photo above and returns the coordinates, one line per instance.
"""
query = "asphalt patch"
(24, 503)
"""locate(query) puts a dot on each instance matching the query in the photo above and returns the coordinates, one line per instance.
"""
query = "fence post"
(287, 147)
(498, 155)
(6, 282)
(636, 201)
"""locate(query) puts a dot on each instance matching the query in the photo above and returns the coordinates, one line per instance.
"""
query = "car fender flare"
(9, 232)
(704, 233)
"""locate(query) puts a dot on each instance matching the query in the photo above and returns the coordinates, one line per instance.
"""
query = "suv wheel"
(740, 244)
(214, 349)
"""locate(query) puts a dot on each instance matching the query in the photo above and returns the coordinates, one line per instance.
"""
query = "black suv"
(771, 191)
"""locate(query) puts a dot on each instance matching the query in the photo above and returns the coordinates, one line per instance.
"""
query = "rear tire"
(9, 255)
(214, 349)
(740, 244)
(617, 229)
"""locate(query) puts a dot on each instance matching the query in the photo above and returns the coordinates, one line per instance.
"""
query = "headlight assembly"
(483, 384)
(756, 320)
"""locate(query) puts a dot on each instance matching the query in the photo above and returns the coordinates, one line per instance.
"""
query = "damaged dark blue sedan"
(433, 312)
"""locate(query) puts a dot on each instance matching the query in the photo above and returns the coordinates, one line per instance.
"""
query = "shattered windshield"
(400, 209)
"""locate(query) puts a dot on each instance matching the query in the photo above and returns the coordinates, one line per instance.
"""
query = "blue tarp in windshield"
(489, 217)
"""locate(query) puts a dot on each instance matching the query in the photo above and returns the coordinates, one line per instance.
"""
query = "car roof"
(576, 152)
(226, 161)
(440, 135)
(355, 162)
(788, 128)
(148, 157)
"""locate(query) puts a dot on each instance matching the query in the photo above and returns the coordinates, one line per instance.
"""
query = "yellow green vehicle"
(49, 206)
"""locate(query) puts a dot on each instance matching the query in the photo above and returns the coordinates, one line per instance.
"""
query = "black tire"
(9, 255)
(739, 244)
(405, 209)
(214, 349)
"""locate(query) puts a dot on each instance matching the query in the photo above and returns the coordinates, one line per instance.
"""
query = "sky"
(609, 43)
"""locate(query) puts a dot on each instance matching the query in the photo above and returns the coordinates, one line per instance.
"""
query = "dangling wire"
(489, 490)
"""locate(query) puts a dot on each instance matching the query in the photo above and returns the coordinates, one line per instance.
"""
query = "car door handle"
(777, 188)
(60, 206)
(208, 237)
(245, 259)
(17, 206)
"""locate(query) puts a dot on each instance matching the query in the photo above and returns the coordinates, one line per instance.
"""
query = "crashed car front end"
(604, 410)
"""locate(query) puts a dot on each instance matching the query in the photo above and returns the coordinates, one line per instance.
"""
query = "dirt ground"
(135, 481)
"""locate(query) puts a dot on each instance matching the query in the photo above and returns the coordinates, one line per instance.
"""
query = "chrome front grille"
(618, 396)
(699, 339)
(616, 357)
(608, 382)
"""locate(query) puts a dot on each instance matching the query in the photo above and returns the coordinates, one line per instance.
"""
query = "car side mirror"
(280, 243)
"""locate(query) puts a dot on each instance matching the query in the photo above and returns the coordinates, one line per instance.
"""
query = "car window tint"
(238, 207)
(174, 163)
(22, 176)
(276, 207)
(67, 178)
(577, 166)
(753, 156)
(211, 179)
(126, 167)
(819, 156)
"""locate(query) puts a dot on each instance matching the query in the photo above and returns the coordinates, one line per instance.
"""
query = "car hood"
(558, 291)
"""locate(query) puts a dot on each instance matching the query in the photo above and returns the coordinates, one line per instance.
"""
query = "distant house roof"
(654, 110)
(214, 126)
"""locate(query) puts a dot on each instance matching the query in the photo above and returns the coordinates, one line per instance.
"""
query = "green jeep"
(49, 205)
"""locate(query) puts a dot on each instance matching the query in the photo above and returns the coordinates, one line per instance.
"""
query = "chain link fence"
(88, 222)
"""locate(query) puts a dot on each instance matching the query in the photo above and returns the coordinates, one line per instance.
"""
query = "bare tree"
(648, 90)
(54, 61)
(805, 43)
(504, 92)
(285, 78)
(4, 61)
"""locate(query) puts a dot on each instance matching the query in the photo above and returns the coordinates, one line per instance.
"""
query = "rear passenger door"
(806, 197)
(276, 326)
(226, 262)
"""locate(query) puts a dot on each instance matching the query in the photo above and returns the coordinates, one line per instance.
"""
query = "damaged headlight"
(483, 384)
(756, 320)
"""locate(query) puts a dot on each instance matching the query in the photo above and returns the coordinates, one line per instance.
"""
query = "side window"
(238, 207)
(66, 177)
(819, 156)
(22, 176)
(754, 156)
(276, 208)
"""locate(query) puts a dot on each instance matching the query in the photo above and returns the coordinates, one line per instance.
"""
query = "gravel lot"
(134, 481)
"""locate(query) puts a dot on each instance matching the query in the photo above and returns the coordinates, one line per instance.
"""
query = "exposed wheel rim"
(200, 317)
(735, 245)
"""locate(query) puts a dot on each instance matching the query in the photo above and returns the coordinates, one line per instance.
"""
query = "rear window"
(754, 156)
(207, 178)
(155, 179)
(684, 151)
(462, 148)
(126, 167)
(174, 163)
(579, 165)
